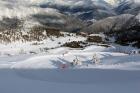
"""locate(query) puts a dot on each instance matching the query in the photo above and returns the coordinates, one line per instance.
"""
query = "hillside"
(69, 46)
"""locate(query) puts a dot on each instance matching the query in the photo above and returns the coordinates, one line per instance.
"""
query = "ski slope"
(41, 73)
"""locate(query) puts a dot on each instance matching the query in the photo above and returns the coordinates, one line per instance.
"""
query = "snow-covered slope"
(117, 72)
(10, 82)
(106, 24)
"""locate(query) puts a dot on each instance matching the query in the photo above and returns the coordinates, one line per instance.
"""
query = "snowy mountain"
(84, 9)
(106, 24)
(79, 7)
(22, 8)
(128, 7)
(19, 17)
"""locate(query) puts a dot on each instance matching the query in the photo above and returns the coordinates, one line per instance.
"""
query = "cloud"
(23, 8)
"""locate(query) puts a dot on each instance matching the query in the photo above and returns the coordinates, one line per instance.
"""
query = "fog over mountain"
(67, 15)
(23, 8)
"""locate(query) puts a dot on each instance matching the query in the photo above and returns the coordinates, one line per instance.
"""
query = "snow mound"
(94, 48)
(120, 66)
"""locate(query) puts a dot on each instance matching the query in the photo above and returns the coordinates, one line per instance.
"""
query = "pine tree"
(95, 59)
